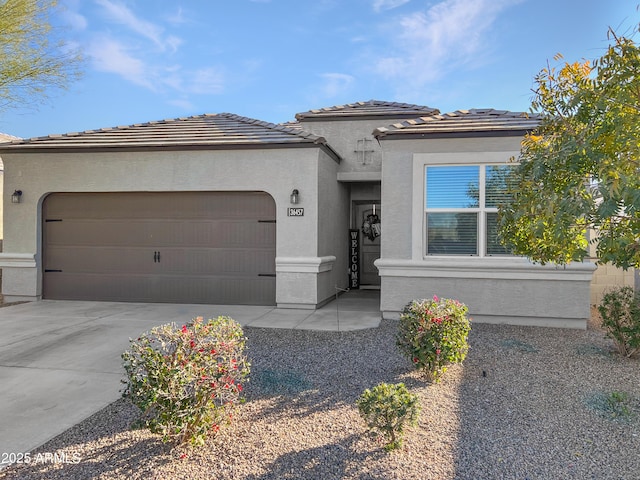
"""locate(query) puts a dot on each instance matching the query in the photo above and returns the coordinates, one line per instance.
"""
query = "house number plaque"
(295, 212)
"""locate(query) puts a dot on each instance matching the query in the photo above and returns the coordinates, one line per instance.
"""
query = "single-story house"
(223, 209)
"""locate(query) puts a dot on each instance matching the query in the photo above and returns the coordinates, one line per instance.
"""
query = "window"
(461, 209)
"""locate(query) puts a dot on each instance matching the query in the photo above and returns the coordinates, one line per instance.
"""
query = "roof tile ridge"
(503, 112)
(104, 129)
(412, 106)
(273, 126)
(7, 138)
(421, 120)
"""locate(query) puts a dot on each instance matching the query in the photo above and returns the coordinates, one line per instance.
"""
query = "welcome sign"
(354, 258)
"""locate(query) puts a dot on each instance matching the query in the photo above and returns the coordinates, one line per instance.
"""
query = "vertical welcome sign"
(354, 258)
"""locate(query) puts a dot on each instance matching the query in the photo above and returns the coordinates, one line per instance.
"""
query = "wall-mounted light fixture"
(16, 196)
(295, 196)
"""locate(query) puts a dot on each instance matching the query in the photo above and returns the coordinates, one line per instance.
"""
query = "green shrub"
(615, 405)
(433, 334)
(187, 381)
(386, 409)
(620, 312)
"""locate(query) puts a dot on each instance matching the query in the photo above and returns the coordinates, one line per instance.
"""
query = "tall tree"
(33, 58)
(581, 168)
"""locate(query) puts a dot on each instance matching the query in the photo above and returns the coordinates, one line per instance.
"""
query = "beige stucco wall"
(496, 289)
(302, 255)
(342, 135)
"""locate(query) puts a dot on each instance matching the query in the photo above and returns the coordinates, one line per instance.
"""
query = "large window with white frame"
(461, 209)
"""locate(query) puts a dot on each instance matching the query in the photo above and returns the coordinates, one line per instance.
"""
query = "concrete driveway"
(60, 360)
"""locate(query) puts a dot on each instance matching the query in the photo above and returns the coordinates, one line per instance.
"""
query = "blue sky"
(269, 59)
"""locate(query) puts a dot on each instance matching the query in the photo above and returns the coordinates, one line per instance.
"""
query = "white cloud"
(448, 35)
(74, 19)
(109, 55)
(173, 42)
(382, 5)
(206, 81)
(336, 84)
(146, 64)
(119, 12)
(177, 18)
(182, 103)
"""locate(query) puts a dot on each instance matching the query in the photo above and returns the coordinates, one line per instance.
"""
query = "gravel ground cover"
(528, 403)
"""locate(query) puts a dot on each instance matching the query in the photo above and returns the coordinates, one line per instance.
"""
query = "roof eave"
(353, 116)
(33, 148)
(391, 135)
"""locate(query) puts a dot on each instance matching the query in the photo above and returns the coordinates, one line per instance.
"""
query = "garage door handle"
(266, 274)
(156, 257)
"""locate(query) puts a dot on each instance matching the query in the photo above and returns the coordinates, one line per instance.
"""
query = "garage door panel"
(140, 288)
(100, 233)
(226, 261)
(186, 247)
(82, 259)
(111, 287)
(86, 259)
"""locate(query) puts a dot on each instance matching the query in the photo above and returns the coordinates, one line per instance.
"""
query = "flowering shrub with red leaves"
(187, 380)
(433, 334)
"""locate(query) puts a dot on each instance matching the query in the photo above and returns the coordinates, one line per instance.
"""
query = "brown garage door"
(179, 247)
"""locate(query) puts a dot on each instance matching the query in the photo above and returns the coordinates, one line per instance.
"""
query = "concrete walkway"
(60, 360)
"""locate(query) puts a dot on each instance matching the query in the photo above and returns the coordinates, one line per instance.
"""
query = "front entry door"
(366, 216)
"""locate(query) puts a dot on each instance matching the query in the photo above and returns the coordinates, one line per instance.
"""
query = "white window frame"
(480, 211)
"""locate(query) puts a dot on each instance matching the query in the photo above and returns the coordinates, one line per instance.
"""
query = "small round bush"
(620, 312)
(433, 333)
(187, 380)
(386, 409)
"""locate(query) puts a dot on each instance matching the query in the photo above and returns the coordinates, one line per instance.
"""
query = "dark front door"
(368, 218)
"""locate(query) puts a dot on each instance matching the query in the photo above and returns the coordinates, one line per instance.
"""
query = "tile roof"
(293, 124)
(4, 137)
(372, 108)
(463, 123)
(223, 130)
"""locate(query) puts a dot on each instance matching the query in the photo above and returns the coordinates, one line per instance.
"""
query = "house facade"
(223, 209)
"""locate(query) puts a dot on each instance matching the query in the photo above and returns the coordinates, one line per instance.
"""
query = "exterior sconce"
(295, 197)
(16, 196)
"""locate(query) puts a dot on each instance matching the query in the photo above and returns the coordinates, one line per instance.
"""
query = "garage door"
(179, 247)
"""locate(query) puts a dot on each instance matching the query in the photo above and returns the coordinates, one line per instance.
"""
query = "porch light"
(295, 196)
(16, 196)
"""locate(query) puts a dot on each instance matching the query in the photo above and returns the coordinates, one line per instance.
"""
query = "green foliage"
(187, 381)
(614, 405)
(620, 312)
(618, 403)
(580, 168)
(386, 409)
(433, 334)
(32, 57)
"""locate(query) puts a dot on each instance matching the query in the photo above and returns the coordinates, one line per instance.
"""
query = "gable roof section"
(462, 123)
(209, 131)
(367, 110)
